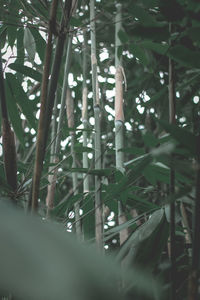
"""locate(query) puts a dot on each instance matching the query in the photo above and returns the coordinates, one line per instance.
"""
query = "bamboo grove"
(100, 133)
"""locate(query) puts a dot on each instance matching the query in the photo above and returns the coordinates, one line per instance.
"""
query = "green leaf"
(139, 202)
(40, 7)
(150, 140)
(20, 46)
(21, 98)
(75, 22)
(135, 170)
(124, 38)
(3, 34)
(12, 34)
(51, 255)
(29, 43)
(156, 47)
(14, 114)
(138, 52)
(116, 230)
(139, 249)
(194, 33)
(151, 33)
(157, 172)
(144, 17)
(26, 71)
(184, 137)
(185, 56)
(39, 42)
(155, 98)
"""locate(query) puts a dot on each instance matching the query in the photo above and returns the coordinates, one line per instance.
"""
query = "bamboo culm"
(119, 117)
(97, 142)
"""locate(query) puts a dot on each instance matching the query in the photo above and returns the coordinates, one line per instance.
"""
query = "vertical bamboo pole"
(40, 144)
(119, 116)
(8, 140)
(172, 102)
(51, 178)
(193, 288)
(52, 186)
(85, 114)
(70, 120)
(96, 106)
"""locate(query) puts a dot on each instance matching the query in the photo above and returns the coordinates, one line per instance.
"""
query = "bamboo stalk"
(97, 142)
(85, 114)
(43, 100)
(51, 177)
(52, 186)
(119, 117)
(47, 105)
(8, 140)
(193, 287)
(172, 101)
(70, 119)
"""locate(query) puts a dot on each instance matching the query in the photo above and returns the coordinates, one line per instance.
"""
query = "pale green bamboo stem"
(70, 119)
(55, 159)
(96, 105)
(49, 198)
(119, 116)
(64, 94)
(85, 114)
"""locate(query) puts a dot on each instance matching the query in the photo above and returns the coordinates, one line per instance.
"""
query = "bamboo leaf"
(140, 247)
(185, 56)
(184, 137)
(79, 272)
(29, 72)
(156, 47)
(138, 52)
(124, 38)
(29, 43)
(3, 33)
(39, 42)
(12, 34)
(144, 17)
(14, 114)
(75, 22)
(151, 33)
(155, 98)
(21, 99)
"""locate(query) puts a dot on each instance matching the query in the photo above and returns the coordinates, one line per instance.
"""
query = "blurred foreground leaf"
(42, 261)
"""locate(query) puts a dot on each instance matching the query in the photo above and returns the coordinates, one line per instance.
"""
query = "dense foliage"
(153, 33)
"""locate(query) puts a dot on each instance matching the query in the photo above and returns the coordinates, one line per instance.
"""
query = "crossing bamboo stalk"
(97, 142)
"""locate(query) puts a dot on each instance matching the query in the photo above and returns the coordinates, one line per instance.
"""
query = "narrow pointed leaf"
(29, 72)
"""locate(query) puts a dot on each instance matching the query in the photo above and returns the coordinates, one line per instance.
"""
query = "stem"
(85, 115)
(9, 149)
(51, 188)
(194, 273)
(119, 117)
(43, 100)
(51, 177)
(47, 108)
(96, 106)
(70, 119)
(172, 181)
